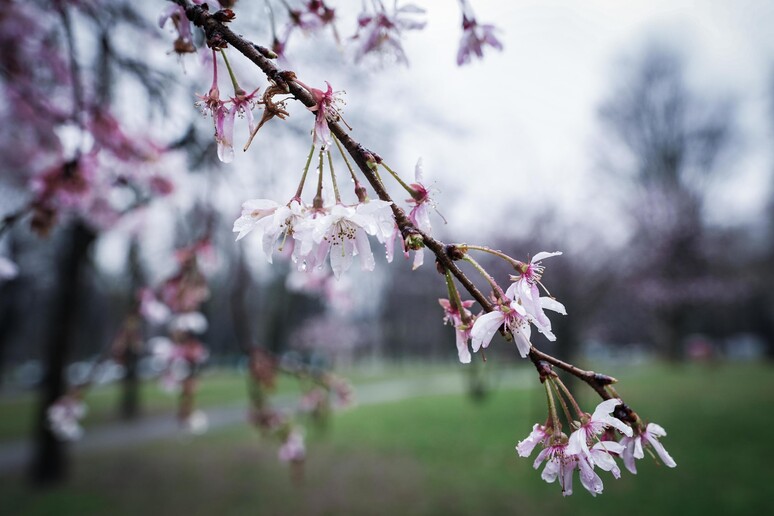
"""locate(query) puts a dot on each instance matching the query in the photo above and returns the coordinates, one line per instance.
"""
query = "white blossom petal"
(484, 329)
(543, 255)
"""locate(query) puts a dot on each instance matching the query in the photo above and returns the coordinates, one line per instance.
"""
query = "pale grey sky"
(517, 131)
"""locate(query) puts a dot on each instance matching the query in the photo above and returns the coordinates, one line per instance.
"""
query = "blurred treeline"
(676, 285)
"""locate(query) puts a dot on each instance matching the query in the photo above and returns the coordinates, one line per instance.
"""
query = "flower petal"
(543, 255)
(462, 347)
(484, 329)
(552, 304)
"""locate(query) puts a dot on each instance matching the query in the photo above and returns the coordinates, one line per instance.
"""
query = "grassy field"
(444, 455)
(218, 387)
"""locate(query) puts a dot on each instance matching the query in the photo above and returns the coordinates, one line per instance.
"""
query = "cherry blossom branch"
(9, 220)
(367, 162)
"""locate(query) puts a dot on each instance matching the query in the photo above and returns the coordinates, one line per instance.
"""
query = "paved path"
(15, 455)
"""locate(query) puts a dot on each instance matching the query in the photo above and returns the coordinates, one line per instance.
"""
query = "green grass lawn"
(445, 455)
(217, 387)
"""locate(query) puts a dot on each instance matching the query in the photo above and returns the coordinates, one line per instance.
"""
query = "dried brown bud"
(43, 219)
(454, 253)
(182, 46)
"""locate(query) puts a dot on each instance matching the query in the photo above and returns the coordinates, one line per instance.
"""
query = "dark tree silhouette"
(665, 142)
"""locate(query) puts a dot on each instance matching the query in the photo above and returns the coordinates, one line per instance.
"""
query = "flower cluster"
(592, 445)
(458, 315)
(326, 110)
(64, 417)
(380, 32)
(225, 111)
(520, 306)
(339, 231)
(475, 37)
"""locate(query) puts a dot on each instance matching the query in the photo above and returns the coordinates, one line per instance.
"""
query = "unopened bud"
(415, 242)
(360, 191)
(370, 161)
(265, 52)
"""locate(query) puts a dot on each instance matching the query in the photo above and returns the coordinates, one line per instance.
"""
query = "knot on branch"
(603, 379)
(281, 78)
(545, 370)
(625, 414)
(453, 252)
(201, 17)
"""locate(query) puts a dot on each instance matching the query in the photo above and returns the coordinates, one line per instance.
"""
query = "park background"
(635, 137)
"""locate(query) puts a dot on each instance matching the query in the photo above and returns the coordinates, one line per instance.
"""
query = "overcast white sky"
(518, 129)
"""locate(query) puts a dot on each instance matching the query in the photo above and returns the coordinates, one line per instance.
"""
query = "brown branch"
(596, 381)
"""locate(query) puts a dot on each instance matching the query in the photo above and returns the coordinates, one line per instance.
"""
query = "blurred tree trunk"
(130, 391)
(239, 314)
(130, 386)
(49, 462)
(668, 331)
(10, 291)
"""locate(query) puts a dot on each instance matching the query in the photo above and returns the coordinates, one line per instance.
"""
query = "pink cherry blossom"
(462, 331)
(314, 16)
(381, 32)
(293, 449)
(540, 435)
(633, 447)
(8, 269)
(419, 216)
(343, 392)
(195, 423)
(64, 416)
(592, 426)
(327, 110)
(223, 117)
(152, 309)
(256, 213)
(314, 400)
(559, 464)
(474, 38)
(184, 41)
(602, 456)
(242, 104)
(512, 317)
(525, 289)
(342, 232)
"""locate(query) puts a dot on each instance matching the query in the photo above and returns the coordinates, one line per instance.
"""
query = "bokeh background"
(633, 136)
